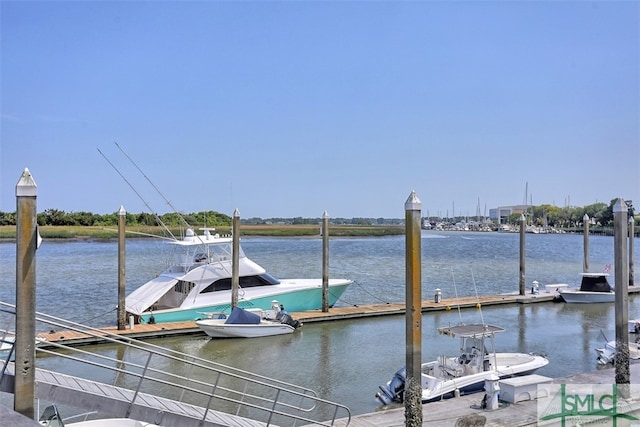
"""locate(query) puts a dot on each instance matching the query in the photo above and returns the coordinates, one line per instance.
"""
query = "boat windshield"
(225, 284)
(595, 283)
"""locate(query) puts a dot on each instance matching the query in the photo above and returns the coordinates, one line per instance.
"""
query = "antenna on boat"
(477, 298)
(138, 194)
(167, 201)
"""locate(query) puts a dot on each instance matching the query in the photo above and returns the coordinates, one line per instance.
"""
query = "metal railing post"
(135, 395)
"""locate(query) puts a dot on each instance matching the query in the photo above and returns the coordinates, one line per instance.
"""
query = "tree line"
(542, 215)
(548, 215)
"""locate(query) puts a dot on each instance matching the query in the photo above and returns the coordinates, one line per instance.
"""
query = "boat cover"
(145, 296)
(242, 317)
(597, 283)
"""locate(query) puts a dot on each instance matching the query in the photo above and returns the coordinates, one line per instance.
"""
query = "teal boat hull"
(295, 301)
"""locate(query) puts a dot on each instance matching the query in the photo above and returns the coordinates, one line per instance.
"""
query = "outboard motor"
(394, 391)
(285, 318)
(288, 320)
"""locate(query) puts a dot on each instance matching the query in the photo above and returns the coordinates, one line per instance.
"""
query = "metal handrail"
(246, 394)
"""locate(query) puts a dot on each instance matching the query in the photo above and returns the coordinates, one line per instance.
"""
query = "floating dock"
(159, 330)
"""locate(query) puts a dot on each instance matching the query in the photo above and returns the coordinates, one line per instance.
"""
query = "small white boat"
(466, 373)
(607, 353)
(594, 288)
(198, 279)
(51, 418)
(112, 422)
(246, 324)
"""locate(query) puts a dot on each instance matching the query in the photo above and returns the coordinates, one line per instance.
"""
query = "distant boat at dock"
(594, 288)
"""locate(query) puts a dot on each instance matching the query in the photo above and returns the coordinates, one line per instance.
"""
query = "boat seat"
(451, 371)
(449, 367)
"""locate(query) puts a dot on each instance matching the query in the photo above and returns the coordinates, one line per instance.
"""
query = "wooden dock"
(159, 330)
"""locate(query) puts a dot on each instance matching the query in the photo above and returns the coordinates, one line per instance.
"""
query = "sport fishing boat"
(198, 281)
(466, 373)
(594, 288)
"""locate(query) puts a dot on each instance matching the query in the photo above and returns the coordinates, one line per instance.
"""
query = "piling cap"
(26, 186)
(413, 203)
(620, 206)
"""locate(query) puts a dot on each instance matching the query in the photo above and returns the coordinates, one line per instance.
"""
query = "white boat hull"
(509, 365)
(112, 422)
(607, 354)
(585, 297)
(466, 373)
(217, 328)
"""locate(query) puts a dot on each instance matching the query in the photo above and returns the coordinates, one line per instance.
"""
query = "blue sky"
(287, 109)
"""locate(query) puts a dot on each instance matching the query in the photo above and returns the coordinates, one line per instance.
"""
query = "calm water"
(345, 361)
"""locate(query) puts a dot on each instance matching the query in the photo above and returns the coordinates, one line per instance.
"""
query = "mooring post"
(621, 361)
(632, 223)
(235, 259)
(585, 244)
(325, 262)
(122, 320)
(522, 265)
(26, 245)
(413, 314)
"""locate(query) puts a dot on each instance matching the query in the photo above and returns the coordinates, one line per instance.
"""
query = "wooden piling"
(325, 262)
(522, 257)
(585, 240)
(631, 241)
(235, 259)
(413, 315)
(122, 321)
(621, 362)
(26, 245)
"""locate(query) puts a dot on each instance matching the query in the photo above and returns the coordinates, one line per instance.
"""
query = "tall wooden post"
(631, 242)
(122, 320)
(235, 259)
(325, 262)
(621, 360)
(523, 221)
(585, 239)
(26, 245)
(413, 315)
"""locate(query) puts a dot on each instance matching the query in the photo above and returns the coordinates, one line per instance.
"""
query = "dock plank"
(116, 401)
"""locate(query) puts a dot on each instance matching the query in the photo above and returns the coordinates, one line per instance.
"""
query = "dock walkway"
(94, 396)
(157, 330)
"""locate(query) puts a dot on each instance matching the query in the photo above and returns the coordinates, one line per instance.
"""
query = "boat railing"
(146, 368)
